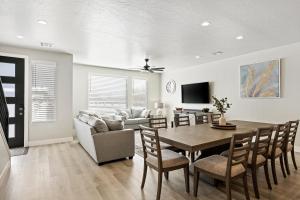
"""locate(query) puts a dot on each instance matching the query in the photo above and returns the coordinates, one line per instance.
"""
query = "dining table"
(203, 137)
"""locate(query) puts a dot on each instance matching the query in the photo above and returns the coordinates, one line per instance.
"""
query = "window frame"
(45, 63)
(146, 93)
(90, 74)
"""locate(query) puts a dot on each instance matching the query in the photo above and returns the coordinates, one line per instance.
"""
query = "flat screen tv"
(195, 93)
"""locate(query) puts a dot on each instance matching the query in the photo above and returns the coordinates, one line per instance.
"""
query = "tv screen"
(195, 93)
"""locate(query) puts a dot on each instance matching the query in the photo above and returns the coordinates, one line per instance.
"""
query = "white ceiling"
(120, 33)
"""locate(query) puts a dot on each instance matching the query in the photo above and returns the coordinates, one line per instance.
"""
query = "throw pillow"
(84, 117)
(136, 112)
(124, 115)
(98, 124)
(114, 125)
(145, 113)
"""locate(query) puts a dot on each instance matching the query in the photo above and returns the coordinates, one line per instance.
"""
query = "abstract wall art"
(260, 80)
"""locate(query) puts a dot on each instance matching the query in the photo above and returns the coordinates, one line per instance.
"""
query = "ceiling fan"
(150, 69)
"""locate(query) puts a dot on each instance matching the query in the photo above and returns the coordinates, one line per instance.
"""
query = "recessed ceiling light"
(240, 37)
(197, 57)
(206, 23)
(42, 22)
(20, 36)
(217, 53)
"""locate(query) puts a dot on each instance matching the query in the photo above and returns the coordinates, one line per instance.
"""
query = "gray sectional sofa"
(105, 146)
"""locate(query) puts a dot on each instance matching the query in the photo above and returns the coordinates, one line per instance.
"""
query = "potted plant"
(222, 105)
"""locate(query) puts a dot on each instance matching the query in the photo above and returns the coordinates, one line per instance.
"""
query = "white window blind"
(43, 92)
(139, 96)
(107, 93)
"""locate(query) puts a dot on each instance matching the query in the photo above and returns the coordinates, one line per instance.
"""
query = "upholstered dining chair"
(201, 119)
(162, 123)
(161, 160)
(276, 149)
(258, 156)
(289, 144)
(182, 120)
(215, 118)
(228, 168)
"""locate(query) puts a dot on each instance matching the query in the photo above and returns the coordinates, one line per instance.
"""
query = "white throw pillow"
(145, 113)
(136, 112)
(84, 117)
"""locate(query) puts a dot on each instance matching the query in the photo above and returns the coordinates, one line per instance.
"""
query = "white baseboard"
(297, 149)
(4, 175)
(50, 141)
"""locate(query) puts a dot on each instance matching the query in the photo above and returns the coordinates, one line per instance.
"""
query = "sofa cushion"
(145, 113)
(131, 121)
(98, 124)
(125, 113)
(83, 117)
(114, 125)
(136, 112)
(142, 120)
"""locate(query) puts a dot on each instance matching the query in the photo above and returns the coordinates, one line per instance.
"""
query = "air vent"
(47, 44)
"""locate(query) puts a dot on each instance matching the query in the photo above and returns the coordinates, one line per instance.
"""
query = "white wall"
(80, 84)
(4, 157)
(224, 77)
(62, 127)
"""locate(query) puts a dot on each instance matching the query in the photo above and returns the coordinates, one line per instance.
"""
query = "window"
(43, 92)
(107, 93)
(139, 94)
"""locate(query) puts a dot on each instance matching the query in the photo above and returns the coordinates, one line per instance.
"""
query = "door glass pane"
(11, 110)
(7, 69)
(11, 131)
(9, 89)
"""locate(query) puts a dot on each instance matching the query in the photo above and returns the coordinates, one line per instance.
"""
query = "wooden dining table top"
(200, 137)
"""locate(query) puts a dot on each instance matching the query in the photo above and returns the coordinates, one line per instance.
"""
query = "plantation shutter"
(43, 92)
(107, 93)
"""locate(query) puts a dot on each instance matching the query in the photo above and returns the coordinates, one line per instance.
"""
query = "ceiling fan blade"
(157, 70)
(150, 70)
(154, 68)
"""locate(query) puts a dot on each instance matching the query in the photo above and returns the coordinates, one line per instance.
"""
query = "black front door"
(12, 76)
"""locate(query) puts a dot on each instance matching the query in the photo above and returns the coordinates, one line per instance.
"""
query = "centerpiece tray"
(228, 126)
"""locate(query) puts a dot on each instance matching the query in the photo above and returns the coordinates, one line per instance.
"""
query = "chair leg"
(196, 180)
(282, 166)
(267, 175)
(166, 175)
(192, 156)
(144, 175)
(286, 162)
(274, 170)
(228, 189)
(187, 179)
(293, 158)
(159, 185)
(254, 180)
(245, 187)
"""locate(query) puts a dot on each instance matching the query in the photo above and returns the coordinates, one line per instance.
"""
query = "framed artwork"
(260, 80)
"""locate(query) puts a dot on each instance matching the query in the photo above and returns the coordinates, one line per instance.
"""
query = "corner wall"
(62, 128)
(224, 78)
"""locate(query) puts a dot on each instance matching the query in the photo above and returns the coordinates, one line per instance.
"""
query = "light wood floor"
(66, 172)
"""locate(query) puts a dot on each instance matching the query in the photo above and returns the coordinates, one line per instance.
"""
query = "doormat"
(19, 151)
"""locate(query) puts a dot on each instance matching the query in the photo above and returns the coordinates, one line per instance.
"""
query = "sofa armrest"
(114, 144)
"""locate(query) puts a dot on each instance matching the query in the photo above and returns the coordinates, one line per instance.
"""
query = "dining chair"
(161, 160)
(182, 120)
(276, 149)
(201, 119)
(161, 123)
(289, 145)
(258, 156)
(215, 118)
(228, 168)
